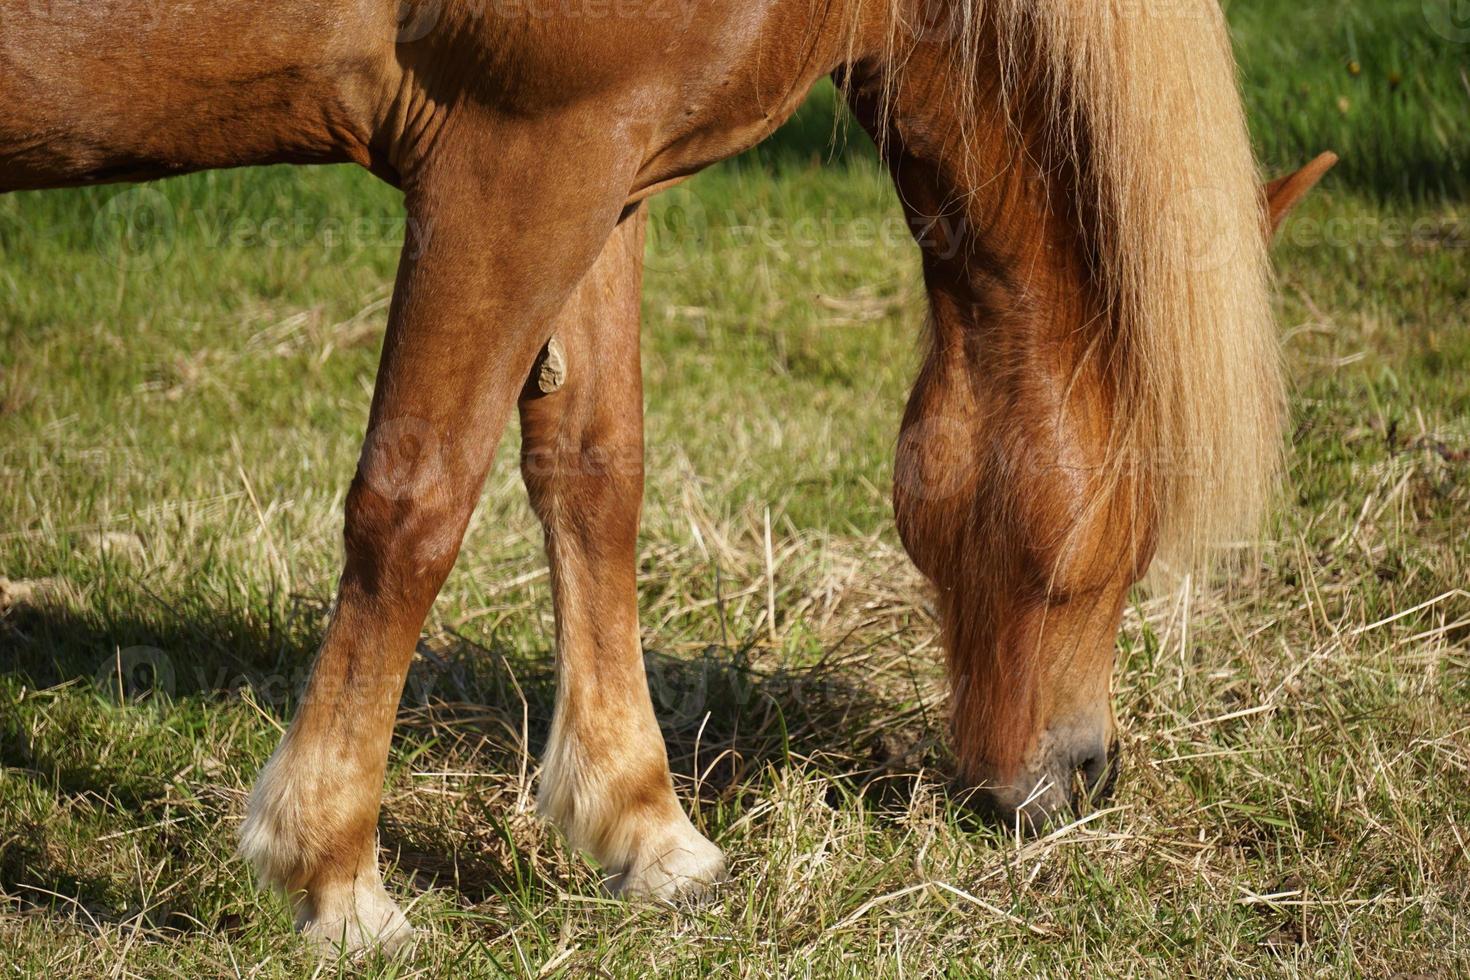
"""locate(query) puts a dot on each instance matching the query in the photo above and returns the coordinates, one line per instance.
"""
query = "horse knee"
(400, 545)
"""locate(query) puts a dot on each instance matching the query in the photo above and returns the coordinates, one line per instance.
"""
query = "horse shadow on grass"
(733, 718)
(732, 722)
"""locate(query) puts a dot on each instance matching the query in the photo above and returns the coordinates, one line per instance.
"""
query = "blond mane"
(1145, 105)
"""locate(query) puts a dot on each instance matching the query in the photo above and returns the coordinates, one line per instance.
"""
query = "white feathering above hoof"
(270, 837)
(277, 840)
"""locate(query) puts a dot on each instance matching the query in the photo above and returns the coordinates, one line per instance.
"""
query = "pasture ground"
(182, 390)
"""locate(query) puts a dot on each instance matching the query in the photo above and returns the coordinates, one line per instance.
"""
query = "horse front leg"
(472, 306)
(605, 779)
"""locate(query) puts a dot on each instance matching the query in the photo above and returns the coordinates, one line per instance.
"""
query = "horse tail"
(1144, 96)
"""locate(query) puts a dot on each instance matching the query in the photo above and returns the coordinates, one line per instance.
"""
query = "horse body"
(133, 90)
(525, 136)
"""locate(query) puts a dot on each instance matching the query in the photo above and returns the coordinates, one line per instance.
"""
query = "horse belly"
(96, 90)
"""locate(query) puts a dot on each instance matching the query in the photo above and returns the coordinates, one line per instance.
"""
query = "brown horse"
(1101, 387)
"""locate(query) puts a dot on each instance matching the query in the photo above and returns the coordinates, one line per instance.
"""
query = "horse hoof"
(682, 864)
(357, 919)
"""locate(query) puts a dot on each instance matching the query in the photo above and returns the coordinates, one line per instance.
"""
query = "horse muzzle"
(1068, 775)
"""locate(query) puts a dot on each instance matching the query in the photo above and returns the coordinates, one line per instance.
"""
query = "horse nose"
(1071, 779)
(1096, 772)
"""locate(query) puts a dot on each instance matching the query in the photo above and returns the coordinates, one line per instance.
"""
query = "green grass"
(178, 424)
(1385, 84)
